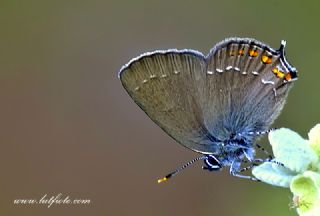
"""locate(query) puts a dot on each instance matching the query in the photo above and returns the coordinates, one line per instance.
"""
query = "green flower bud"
(292, 150)
(314, 139)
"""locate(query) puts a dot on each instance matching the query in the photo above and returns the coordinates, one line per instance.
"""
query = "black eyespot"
(212, 163)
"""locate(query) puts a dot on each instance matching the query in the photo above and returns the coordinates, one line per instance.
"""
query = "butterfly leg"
(265, 151)
(245, 177)
(259, 160)
(235, 171)
(256, 132)
(248, 167)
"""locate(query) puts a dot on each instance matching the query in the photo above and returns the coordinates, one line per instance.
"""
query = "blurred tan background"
(67, 125)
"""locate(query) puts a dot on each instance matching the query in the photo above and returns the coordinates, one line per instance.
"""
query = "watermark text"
(50, 201)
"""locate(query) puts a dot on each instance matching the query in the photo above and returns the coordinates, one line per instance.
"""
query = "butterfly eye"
(212, 163)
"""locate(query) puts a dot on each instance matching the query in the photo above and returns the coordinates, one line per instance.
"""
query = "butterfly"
(216, 105)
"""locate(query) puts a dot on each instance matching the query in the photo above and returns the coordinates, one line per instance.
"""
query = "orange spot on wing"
(278, 73)
(241, 52)
(266, 59)
(253, 53)
(288, 77)
(275, 70)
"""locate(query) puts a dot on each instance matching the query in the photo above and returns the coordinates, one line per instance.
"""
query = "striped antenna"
(181, 168)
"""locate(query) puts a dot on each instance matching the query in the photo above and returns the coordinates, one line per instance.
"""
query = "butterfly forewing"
(166, 86)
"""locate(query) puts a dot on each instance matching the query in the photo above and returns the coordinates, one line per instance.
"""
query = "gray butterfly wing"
(246, 86)
(165, 84)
